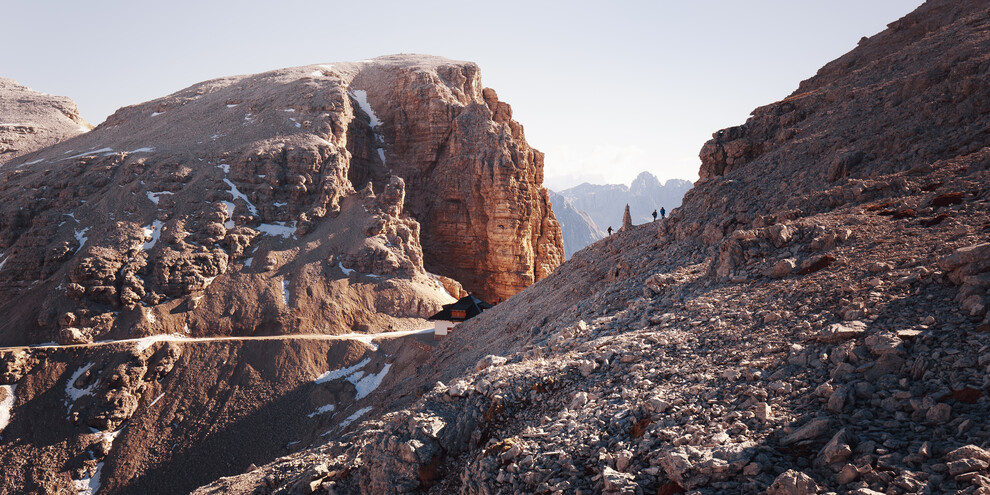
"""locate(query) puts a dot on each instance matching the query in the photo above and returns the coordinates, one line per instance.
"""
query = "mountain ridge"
(810, 319)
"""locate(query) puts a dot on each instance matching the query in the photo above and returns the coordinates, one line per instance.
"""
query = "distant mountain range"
(577, 226)
(602, 205)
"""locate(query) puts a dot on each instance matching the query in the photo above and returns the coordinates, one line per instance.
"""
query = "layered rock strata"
(31, 120)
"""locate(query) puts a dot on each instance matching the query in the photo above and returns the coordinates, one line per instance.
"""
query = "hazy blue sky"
(605, 89)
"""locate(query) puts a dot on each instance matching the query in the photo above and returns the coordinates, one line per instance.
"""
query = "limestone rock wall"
(31, 120)
(473, 182)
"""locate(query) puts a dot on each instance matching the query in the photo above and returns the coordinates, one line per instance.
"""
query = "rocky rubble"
(817, 341)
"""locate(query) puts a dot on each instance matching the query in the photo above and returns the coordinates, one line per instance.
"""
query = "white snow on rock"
(32, 162)
(3, 261)
(231, 105)
(89, 485)
(247, 262)
(143, 150)
(81, 238)
(357, 414)
(335, 374)
(229, 224)
(322, 410)
(283, 229)
(74, 393)
(347, 271)
(155, 196)
(152, 233)
(224, 166)
(362, 98)
(149, 315)
(285, 292)
(155, 114)
(238, 194)
(157, 399)
(93, 152)
(6, 405)
(366, 385)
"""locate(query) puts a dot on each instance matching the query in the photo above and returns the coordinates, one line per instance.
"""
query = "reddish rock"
(947, 199)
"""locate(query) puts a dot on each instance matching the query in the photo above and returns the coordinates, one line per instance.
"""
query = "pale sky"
(605, 89)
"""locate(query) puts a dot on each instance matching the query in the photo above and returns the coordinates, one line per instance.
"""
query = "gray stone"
(813, 429)
(793, 482)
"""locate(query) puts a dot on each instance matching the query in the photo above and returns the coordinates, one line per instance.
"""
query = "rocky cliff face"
(475, 184)
(208, 265)
(927, 111)
(30, 120)
(285, 182)
(772, 336)
(577, 227)
(605, 202)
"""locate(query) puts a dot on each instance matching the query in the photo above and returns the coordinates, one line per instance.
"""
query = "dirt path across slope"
(423, 334)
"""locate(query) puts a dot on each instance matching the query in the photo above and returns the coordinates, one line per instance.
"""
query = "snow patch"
(32, 162)
(7, 404)
(229, 224)
(77, 393)
(157, 399)
(101, 150)
(232, 105)
(155, 196)
(368, 384)
(155, 114)
(238, 194)
(362, 98)
(347, 271)
(224, 166)
(322, 410)
(152, 233)
(4, 262)
(143, 150)
(282, 229)
(353, 417)
(335, 374)
(81, 238)
(285, 291)
(89, 485)
(247, 262)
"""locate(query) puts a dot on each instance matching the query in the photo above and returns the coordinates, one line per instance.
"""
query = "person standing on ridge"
(663, 213)
(609, 230)
(654, 215)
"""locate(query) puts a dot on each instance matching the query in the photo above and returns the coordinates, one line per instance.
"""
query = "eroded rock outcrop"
(240, 205)
(31, 120)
